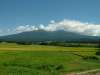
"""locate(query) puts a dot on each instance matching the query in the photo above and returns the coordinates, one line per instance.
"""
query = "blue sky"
(14, 13)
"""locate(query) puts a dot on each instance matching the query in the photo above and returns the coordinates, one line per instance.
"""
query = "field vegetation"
(19, 59)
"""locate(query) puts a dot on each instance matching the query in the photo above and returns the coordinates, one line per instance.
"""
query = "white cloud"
(41, 26)
(26, 28)
(67, 25)
(52, 21)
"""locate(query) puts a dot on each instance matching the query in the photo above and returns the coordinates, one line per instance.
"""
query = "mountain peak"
(41, 35)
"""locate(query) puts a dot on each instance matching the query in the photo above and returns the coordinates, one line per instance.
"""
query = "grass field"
(45, 60)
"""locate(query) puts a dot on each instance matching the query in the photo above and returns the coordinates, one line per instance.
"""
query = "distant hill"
(40, 35)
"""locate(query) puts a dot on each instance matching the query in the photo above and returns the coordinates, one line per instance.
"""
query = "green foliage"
(98, 51)
(18, 59)
(68, 44)
(24, 43)
(90, 58)
(42, 62)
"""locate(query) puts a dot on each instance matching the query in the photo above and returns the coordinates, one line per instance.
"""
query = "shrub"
(49, 67)
(24, 43)
(59, 67)
(98, 53)
(90, 57)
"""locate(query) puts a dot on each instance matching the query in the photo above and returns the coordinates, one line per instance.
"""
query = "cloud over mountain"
(66, 25)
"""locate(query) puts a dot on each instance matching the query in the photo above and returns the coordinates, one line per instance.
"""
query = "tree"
(98, 51)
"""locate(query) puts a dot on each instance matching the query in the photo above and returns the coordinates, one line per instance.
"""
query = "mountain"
(40, 35)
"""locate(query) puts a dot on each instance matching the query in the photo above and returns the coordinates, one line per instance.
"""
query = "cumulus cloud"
(66, 25)
(26, 28)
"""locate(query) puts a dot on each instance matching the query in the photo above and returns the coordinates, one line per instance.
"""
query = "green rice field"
(45, 60)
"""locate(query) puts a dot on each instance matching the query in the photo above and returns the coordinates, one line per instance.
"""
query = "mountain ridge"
(40, 35)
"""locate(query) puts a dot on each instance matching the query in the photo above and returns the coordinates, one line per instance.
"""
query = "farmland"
(46, 60)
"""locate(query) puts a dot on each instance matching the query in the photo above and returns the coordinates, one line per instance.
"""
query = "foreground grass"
(44, 60)
(42, 63)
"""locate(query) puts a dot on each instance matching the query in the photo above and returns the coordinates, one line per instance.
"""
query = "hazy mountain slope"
(40, 35)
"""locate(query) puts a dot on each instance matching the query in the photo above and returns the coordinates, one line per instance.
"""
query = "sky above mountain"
(80, 16)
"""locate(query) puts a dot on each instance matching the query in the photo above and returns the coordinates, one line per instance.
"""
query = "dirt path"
(96, 72)
(89, 72)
